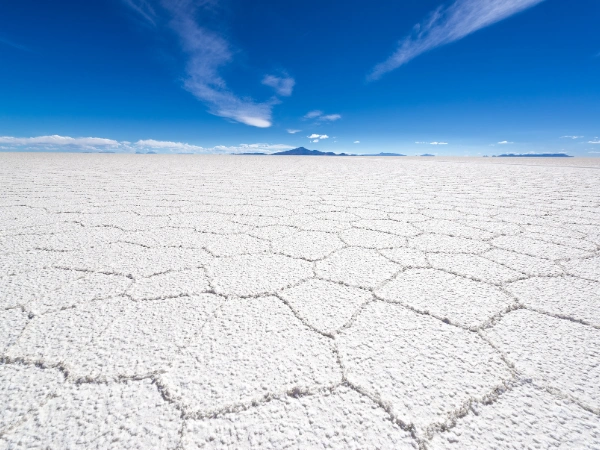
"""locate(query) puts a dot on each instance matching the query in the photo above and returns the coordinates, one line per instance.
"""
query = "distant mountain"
(306, 152)
(426, 154)
(534, 155)
(385, 154)
(255, 153)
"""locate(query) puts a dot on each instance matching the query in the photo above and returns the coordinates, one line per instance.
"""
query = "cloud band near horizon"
(95, 144)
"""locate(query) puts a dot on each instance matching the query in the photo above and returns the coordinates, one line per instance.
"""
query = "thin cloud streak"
(143, 9)
(14, 45)
(313, 114)
(320, 117)
(449, 24)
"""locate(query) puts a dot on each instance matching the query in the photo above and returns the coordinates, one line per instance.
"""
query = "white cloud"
(438, 143)
(170, 146)
(505, 142)
(61, 143)
(260, 147)
(318, 136)
(176, 147)
(448, 24)
(357, 142)
(207, 53)
(571, 137)
(291, 131)
(594, 142)
(594, 152)
(316, 140)
(282, 85)
(316, 114)
(313, 114)
(421, 142)
(144, 9)
(56, 141)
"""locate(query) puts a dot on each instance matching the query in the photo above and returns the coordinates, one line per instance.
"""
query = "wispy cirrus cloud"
(595, 141)
(321, 117)
(313, 114)
(14, 45)
(282, 85)
(431, 143)
(58, 143)
(505, 142)
(144, 9)
(292, 131)
(207, 53)
(571, 137)
(449, 24)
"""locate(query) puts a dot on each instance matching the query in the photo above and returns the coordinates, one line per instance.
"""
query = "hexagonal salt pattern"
(252, 349)
(12, 323)
(310, 245)
(556, 353)
(446, 296)
(524, 417)
(325, 305)
(24, 389)
(422, 368)
(222, 301)
(96, 416)
(250, 275)
(339, 419)
(355, 266)
(115, 338)
(567, 297)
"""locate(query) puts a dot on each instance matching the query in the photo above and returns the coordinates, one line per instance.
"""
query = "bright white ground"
(195, 301)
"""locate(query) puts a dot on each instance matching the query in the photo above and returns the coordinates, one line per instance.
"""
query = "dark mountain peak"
(305, 151)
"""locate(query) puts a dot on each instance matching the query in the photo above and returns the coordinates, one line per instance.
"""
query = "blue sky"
(463, 77)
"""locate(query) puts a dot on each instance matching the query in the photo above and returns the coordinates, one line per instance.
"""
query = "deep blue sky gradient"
(96, 68)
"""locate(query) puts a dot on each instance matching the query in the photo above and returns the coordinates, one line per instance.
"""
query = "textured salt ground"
(210, 302)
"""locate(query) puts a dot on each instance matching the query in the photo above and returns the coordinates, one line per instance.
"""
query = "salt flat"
(189, 302)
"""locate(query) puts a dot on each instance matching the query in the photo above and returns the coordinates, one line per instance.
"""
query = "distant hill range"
(534, 155)
(304, 151)
(301, 151)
